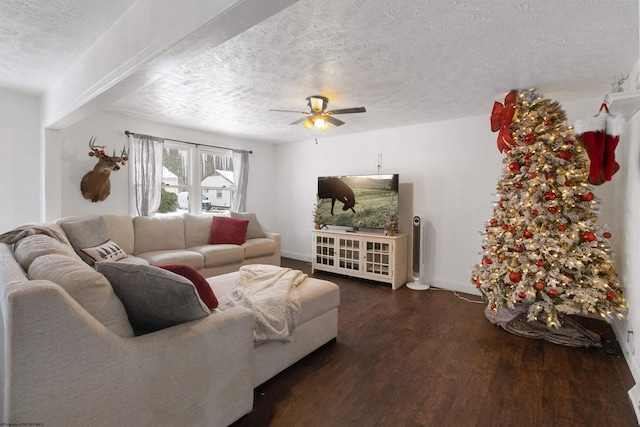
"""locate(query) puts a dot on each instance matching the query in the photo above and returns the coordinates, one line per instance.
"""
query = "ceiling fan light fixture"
(308, 124)
(320, 122)
(317, 103)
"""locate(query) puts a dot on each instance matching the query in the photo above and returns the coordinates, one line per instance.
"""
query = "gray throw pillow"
(153, 298)
(86, 233)
(255, 230)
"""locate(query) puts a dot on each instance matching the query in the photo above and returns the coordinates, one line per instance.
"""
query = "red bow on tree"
(501, 118)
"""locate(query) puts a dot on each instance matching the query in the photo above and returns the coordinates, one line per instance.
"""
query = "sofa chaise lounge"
(71, 359)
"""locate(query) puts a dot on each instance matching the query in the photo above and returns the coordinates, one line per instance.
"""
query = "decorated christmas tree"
(544, 254)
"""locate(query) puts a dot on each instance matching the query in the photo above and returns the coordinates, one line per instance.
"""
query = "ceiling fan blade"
(291, 111)
(348, 110)
(334, 121)
(297, 122)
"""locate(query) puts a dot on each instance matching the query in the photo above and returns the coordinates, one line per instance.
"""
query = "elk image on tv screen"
(357, 201)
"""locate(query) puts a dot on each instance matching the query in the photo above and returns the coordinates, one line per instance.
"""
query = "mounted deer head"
(95, 185)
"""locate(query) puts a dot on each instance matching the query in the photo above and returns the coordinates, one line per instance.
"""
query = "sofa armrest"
(273, 236)
(63, 367)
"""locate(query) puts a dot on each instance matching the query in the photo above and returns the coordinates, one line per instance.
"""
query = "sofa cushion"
(158, 234)
(108, 251)
(316, 296)
(254, 248)
(10, 272)
(254, 230)
(85, 285)
(85, 232)
(31, 247)
(153, 298)
(202, 286)
(228, 230)
(217, 255)
(186, 257)
(197, 229)
(121, 231)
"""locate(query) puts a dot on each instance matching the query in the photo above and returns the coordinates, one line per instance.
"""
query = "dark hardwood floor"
(429, 358)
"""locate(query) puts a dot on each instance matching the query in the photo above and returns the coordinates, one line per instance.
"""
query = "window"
(195, 179)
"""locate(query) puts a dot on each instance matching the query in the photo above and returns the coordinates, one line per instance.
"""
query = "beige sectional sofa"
(185, 240)
(70, 357)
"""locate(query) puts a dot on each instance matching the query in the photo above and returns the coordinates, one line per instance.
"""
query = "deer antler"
(124, 156)
(94, 151)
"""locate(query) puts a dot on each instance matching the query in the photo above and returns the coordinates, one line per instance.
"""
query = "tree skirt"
(571, 333)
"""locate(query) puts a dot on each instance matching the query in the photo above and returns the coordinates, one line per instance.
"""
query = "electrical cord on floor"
(458, 295)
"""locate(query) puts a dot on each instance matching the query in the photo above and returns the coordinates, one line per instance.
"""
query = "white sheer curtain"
(147, 172)
(240, 179)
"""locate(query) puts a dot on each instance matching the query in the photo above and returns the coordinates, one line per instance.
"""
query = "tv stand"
(366, 255)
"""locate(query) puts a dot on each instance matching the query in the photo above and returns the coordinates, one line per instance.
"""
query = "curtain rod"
(126, 132)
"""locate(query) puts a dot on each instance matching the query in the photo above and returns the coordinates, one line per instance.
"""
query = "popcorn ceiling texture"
(39, 39)
(407, 62)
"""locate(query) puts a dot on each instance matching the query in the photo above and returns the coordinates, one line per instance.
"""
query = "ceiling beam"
(152, 37)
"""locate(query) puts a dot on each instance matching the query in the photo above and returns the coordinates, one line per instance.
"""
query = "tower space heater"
(417, 255)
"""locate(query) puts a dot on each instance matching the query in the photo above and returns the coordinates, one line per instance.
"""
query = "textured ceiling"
(40, 39)
(407, 62)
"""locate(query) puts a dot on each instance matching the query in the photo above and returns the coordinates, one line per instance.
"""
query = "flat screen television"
(357, 201)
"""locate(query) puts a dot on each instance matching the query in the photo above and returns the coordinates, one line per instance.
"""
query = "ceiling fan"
(318, 116)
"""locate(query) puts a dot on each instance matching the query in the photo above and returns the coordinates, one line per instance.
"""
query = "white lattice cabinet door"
(367, 255)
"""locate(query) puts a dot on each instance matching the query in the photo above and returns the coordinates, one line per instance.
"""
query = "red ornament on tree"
(547, 122)
(588, 197)
(553, 209)
(532, 175)
(522, 295)
(611, 295)
(565, 155)
(530, 138)
(539, 263)
(588, 236)
(606, 235)
(548, 175)
(539, 286)
(553, 293)
(568, 183)
(518, 249)
(487, 261)
(534, 212)
(549, 195)
(528, 234)
(514, 166)
(515, 277)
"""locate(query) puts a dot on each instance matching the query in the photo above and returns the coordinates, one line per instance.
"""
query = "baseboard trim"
(296, 256)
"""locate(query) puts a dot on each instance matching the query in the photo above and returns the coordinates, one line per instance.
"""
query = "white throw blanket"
(271, 293)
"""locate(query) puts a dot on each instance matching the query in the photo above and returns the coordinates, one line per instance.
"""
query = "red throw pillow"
(228, 230)
(202, 286)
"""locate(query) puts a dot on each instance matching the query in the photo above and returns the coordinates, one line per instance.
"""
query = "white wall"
(20, 156)
(109, 130)
(448, 173)
(625, 212)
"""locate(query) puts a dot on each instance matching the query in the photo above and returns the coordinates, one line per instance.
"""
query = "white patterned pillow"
(108, 251)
